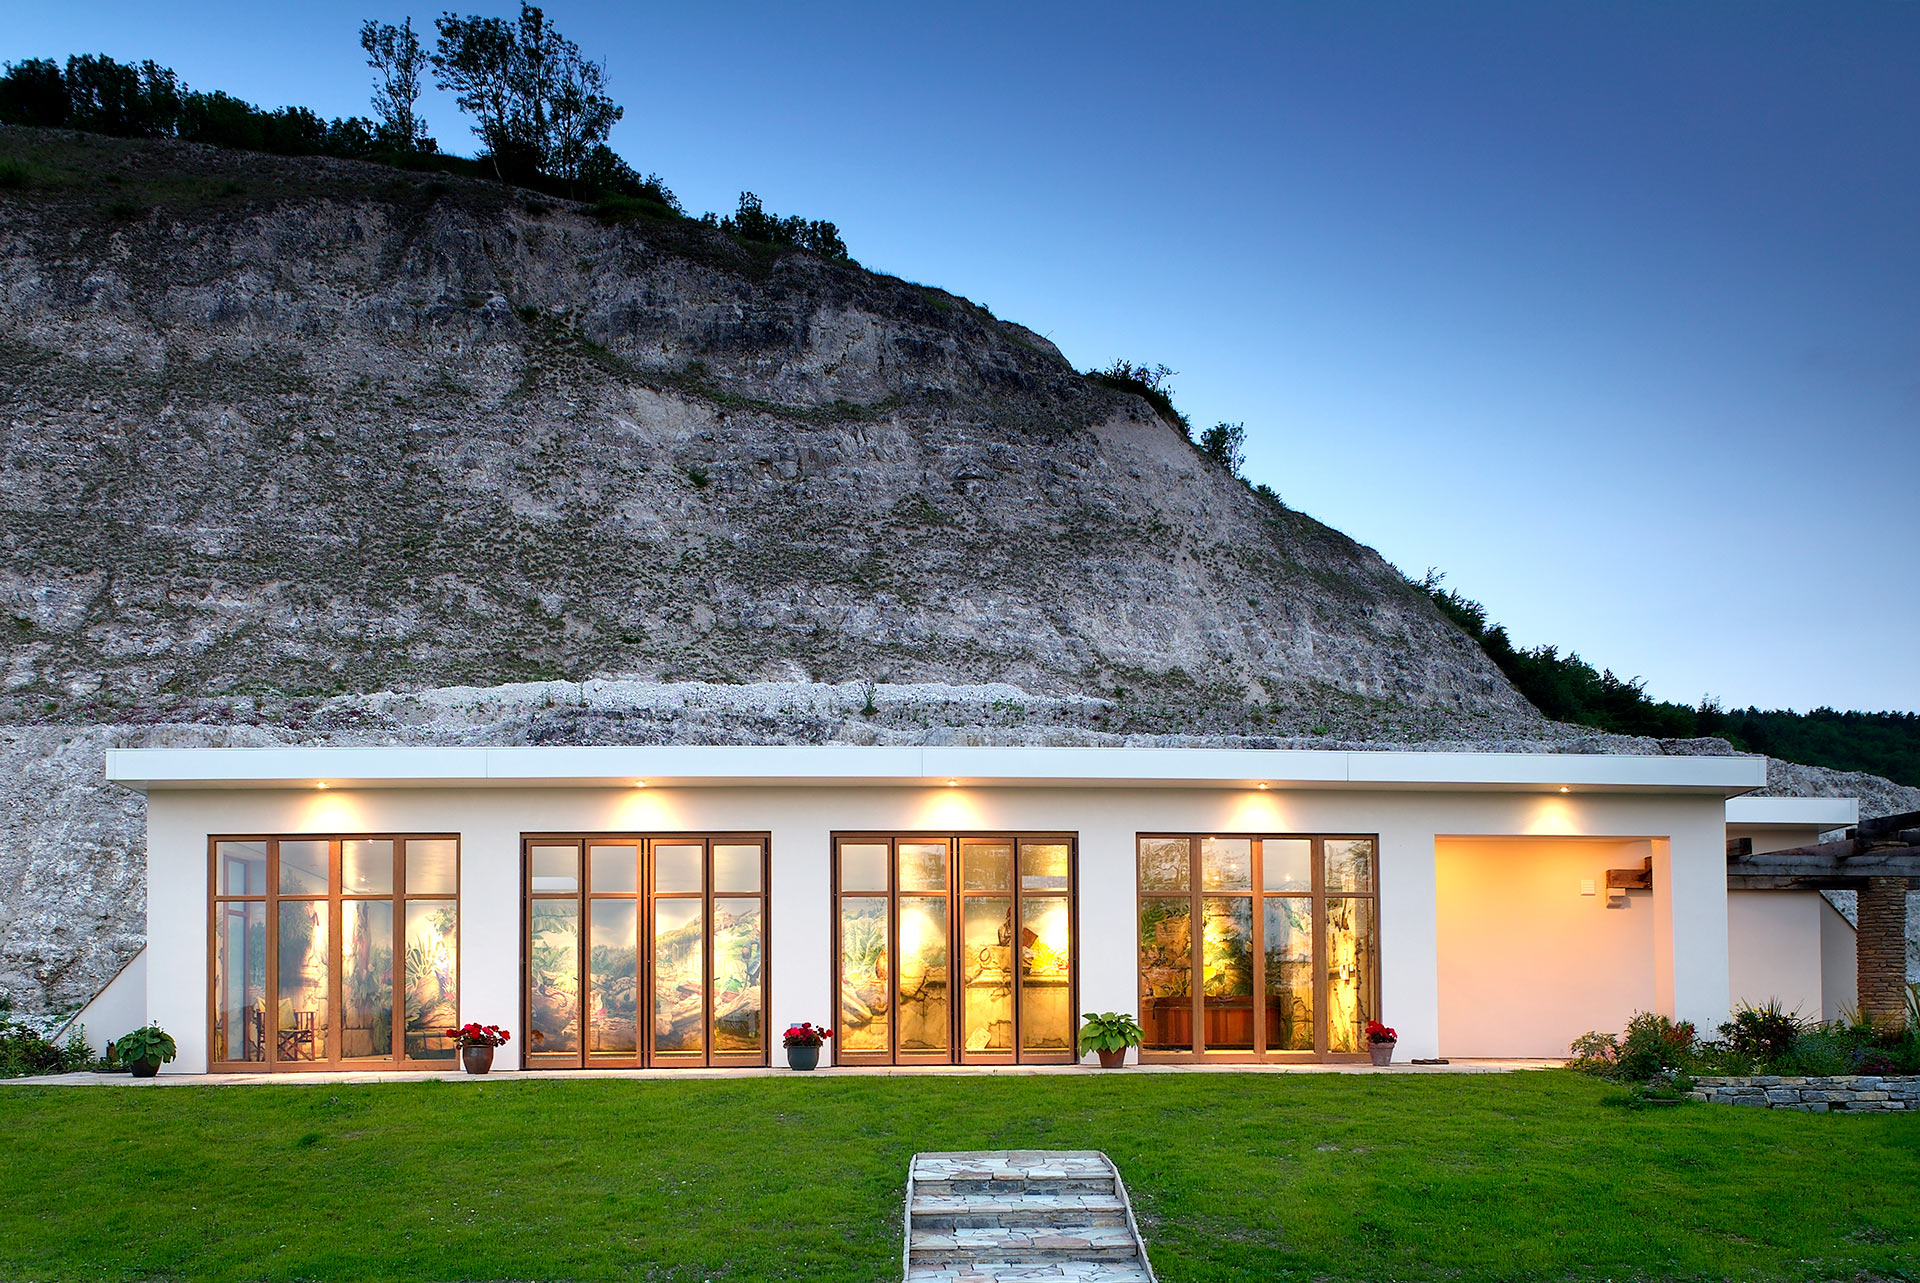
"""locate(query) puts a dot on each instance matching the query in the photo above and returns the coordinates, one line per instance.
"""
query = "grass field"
(1524, 1176)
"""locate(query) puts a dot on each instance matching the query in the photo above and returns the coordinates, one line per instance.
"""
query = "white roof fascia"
(1794, 812)
(826, 765)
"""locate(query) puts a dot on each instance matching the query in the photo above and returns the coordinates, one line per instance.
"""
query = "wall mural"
(432, 978)
(1012, 961)
(1257, 899)
(865, 1001)
(673, 965)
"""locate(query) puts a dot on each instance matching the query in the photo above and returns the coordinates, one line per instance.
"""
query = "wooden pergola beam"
(1827, 866)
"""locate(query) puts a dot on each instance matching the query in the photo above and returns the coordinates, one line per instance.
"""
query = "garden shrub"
(1596, 1053)
(1756, 1040)
(1763, 1033)
(1653, 1043)
(1830, 1049)
(24, 1050)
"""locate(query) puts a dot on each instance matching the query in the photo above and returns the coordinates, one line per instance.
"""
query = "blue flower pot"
(803, 1057)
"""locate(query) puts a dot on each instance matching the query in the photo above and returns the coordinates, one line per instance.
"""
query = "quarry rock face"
(307, 451)
(367, 429)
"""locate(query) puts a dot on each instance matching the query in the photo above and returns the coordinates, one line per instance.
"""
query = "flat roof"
(828, 765)
(1794, 812)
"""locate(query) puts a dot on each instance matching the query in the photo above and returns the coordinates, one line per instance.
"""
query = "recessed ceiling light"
(322, 784)
(1262, 787)
(1565, 789)
(639, 784)
(953, 784)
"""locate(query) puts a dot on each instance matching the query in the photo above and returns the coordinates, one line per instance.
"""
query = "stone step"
(1036, 1244)
(987, 1211)
(1023, 1271)
(1008, 1186)
(1010, 1172)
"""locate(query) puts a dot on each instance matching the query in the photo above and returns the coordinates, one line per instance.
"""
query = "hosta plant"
(1109, 1031)
(150, 1044)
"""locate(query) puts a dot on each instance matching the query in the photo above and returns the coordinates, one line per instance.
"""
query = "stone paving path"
(1022, 1214)
(168, 1078)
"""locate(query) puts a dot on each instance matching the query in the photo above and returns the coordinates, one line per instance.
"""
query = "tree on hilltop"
(540, 106)
(395, 53)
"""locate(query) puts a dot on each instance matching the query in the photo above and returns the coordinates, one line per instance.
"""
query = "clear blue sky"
(1611, 312)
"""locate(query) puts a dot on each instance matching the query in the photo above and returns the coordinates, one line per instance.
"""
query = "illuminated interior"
(316, 937)
(1286, 953)
(1006, 900)
(664, 937)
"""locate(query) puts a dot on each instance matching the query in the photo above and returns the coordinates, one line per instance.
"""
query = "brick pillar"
(1881, 950)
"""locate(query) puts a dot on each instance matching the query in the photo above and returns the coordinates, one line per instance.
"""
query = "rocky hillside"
(277, 434)
(299, 427)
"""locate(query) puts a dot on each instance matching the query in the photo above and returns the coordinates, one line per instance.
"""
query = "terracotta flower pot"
(1112, 1059)
(1382, 1052)
(803, 1057)
(476, 1058)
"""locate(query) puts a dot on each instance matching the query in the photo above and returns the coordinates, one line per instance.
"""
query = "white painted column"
(177, 984)
(1410, 939)
(800, 918)
(1107, 952)
(490, 935)
(1691, 974)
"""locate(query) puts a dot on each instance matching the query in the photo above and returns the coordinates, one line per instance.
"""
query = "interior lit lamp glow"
(953, 783)
(639, 784)
(1565, 789)
(1261, 787)
(320, 784)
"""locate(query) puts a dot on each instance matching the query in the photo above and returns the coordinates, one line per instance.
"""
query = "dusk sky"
(1612, 313)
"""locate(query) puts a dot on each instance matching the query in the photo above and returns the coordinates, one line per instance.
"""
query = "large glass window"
(1285, 960)
(646, 950)
(953, 947)
(334, 951)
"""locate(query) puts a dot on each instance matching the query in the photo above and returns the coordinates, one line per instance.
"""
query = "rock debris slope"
(305, 451)
(316, 427)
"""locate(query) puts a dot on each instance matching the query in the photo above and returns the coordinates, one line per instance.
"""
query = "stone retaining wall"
(1850, 1093)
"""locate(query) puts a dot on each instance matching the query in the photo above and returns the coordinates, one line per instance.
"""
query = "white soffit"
(1794, 812)
(847, 765)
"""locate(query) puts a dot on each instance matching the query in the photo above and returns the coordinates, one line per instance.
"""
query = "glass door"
(954, 948)
(1255, 947)
(655, 957)
(987, 975)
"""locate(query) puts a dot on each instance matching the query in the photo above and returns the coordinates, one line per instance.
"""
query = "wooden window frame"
(956, 895)
(1196, 893)
(644, 897)
(335, 899)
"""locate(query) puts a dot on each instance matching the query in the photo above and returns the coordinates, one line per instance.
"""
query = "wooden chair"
(299, 1035)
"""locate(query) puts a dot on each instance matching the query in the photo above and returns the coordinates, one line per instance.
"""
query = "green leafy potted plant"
(1109, 1034)
(476, 1045)
(803, 1042)
(144, 1050)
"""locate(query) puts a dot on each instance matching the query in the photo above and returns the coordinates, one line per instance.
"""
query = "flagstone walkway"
(170, 1079)
(1025, 1214)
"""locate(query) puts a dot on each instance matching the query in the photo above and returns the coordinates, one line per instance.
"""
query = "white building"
(340, 907)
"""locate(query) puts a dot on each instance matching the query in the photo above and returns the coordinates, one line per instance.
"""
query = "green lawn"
(1523, 1176)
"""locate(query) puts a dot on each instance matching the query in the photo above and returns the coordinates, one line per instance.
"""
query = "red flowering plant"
(1377, 1032)
(472, 1035)
(805, 1034)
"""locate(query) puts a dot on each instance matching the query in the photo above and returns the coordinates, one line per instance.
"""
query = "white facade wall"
(1774, 951)
(1684, 829)
(1533, 952)
(118, 1009)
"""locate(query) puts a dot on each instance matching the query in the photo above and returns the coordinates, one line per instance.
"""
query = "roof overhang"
(848, 765)
(1816, 813)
